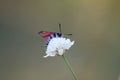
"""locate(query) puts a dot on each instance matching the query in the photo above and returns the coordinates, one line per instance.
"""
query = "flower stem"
(69, 66)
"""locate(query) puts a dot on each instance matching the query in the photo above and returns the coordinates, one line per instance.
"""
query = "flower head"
(58, 46)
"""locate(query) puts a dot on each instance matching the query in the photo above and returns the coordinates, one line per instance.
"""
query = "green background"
(95, 25)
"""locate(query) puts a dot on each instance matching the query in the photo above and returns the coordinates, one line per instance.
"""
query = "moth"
(49, 35)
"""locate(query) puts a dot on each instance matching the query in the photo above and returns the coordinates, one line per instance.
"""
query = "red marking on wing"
(45, 34)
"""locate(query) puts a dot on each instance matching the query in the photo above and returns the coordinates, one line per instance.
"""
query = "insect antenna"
(60, 28)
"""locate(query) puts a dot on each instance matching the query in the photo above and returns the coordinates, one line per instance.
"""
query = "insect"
(49, 35)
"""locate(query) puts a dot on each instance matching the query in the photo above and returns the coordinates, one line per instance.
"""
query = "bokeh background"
(95, 25)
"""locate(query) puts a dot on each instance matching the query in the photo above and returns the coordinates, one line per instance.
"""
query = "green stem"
(69, 66)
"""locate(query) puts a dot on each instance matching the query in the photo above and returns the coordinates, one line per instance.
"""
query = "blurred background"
(95, 25)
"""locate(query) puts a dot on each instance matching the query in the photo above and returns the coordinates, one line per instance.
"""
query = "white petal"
(46, 56)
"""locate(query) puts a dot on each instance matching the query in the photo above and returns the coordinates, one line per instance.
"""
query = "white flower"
(57, 46)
